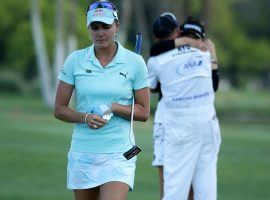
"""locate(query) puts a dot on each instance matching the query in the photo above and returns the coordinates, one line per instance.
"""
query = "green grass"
(243, 105)
(33, 147)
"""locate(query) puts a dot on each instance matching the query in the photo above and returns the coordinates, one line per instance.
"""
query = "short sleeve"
(67, 71)
(152, 73)
(141, 73)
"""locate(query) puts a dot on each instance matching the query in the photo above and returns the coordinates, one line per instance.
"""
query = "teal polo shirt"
(94, 86)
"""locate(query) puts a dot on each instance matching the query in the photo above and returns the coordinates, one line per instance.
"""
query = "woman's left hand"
(94, 121)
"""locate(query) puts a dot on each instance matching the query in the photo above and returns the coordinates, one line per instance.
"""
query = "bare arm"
(212, 49)
(141, 107)
(196, 43)
(167, 45)
(64, 113)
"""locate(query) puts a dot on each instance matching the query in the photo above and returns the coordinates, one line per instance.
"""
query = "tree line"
(37, 35)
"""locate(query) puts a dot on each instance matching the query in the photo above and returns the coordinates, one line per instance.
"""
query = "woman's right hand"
(94, 121)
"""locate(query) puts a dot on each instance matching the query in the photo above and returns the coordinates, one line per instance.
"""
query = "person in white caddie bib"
(192, 134)
(165, 28)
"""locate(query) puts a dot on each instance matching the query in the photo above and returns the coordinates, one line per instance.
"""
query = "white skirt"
(89, 170)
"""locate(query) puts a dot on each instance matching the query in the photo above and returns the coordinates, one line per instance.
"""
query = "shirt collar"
(118, 58)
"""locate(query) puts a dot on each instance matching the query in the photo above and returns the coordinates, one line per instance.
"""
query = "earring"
(116, 36)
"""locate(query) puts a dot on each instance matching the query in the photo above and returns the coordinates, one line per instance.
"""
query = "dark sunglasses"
(101, 4)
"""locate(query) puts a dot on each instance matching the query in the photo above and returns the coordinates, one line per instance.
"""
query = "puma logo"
(125, 75)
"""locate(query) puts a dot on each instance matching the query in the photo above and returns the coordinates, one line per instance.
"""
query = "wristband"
(85, 117)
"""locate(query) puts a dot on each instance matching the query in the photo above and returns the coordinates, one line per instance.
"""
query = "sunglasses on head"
(101, 4)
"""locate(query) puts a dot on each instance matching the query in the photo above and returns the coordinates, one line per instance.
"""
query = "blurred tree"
(41, 54)
(125, 20)
(253, 20)
(254, 17)
(59, 53)
(62, 45)
(141, 21)
(15, 40)
(71, 27)
(242, 55)
(238, 27)
(207, 13)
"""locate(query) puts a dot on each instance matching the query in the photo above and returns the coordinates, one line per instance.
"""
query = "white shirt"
(185, 77)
